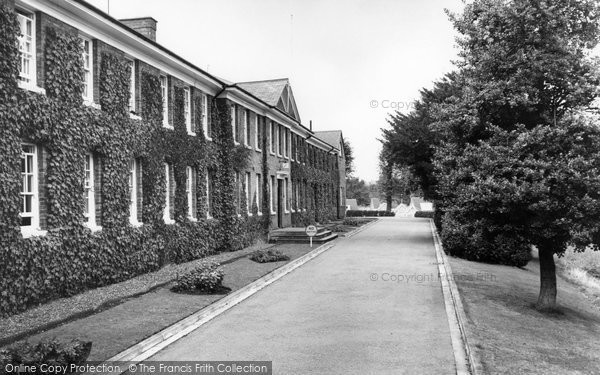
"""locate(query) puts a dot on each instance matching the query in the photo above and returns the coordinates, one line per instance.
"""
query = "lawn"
(509, 336)
(114, 329)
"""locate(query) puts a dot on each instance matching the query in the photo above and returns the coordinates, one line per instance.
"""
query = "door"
(279, 203)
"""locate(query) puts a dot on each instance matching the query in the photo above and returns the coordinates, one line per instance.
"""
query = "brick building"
(263, 117)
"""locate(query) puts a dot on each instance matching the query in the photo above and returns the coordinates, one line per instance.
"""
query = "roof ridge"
(265, 80)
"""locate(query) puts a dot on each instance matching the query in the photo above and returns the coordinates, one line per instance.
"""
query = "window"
(258, 134)
(272, 139)
(190, 192)
(132, 86)
(209, 189)
(187, 111)
(30, 219)
(279, 140)
(234, 125)
(204, 110)
(89, 191)
(292, 145)
(88, 78)
(245, 127)
(134, 189)
(297, 186)
(164, 92)
(272, 195)
(248, 189)
(237, 192)
(26, 40)
(258, 194)
(168, 203)
(285, 195)
(286, 135)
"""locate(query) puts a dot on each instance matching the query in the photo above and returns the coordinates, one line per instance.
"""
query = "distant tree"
(349, 154)
(359, 190)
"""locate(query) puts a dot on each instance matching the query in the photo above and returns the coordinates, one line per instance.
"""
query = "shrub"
(427, 214)
(366, 213)
(49, 352)
(352, 222)
(206, 277)
(482, 242)
(265, 256)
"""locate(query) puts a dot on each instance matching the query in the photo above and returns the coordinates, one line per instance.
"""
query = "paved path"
(331, 316)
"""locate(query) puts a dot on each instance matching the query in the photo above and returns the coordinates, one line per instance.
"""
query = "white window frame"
(233, 124)
(257, 194)
(292, 196)
(286, 143)
(33, 191)
(134, 169)
(245, 125)
(271, 126)
(278, 147)
(285, 196)
(187, 110)
(292, 137)
(272, 195)
(28, 80)
(248, 182)
(257, 141)
(89, 186)
(88, 69)
(208, 215)
(164, 92)
(132, 87)
(167, 211)
(189, 191)
(204, 100)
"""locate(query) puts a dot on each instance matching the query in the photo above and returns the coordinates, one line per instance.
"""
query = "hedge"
(427, 214)
(369, 213)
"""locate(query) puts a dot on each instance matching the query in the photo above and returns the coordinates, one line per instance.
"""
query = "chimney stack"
(310, 124)
(143, 25)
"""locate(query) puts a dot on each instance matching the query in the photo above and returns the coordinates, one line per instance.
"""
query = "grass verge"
(510, 336)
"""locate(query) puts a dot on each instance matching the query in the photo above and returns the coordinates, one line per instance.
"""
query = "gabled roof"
(333, 137)
(275, 92)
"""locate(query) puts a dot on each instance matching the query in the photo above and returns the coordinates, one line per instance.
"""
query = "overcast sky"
(342, 57)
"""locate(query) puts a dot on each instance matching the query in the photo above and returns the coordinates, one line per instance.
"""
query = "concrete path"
(372, 304)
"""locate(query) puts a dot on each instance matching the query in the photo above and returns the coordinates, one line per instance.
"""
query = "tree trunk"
(547, 298)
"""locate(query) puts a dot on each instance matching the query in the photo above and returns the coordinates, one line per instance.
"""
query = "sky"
(350, 63)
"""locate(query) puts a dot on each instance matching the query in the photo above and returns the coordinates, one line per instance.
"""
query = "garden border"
(153, 344)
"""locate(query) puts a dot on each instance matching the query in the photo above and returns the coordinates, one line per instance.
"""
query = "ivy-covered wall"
(71, 258)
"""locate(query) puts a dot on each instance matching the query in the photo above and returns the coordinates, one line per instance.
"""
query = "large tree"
(358, 189)
(506, 138)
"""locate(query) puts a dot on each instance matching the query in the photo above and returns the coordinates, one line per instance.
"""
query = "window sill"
(136, 224)
(272, 153)
(169, 221)
(93, 227)
(286, 211)
(192, 219)
(167, 126)
(248, 147)
(32, 88)
(273, 213)
(258, 149)
(133, 116)
(236, 143)
(191, 133)
(28, 232)
(90, 103)
(208, 217)
(208, 138)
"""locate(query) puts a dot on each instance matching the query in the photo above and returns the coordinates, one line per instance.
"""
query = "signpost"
(311, 231)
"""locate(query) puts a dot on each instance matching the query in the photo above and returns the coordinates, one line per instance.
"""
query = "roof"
(268, 91)
(274, 92)
(333, 137)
